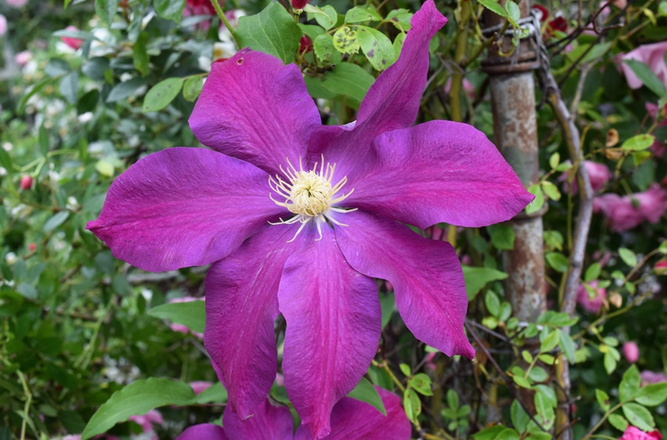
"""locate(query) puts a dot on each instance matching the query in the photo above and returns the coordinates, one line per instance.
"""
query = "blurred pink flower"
(199, 386)
(201, 7)
(280, 380)
(146, 422)
(660, 268)
(467, 87)
(598, 174)
(653, 55)
(632, 433)
(651, 377)
(74, 43)
(430, 365)
(3, 25)
(592, 305)
(22, 58)
(658, 148)
(631, 351)
(627, 212)
(180, 327)
(17, 3)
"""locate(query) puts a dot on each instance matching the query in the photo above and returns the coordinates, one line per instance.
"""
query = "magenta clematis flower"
(299, 218)
(350, 420)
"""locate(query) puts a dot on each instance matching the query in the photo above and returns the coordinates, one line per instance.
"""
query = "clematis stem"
(390, 373)
(224, 20)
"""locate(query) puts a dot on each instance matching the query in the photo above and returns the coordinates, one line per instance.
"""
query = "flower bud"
(305, 44)
(26, 182)
(616, 300)
(631, 352)
(660, 267)
(299, 4)
(74, 43)
(32, 247)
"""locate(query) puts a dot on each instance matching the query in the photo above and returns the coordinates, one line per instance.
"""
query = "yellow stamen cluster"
(310, 195)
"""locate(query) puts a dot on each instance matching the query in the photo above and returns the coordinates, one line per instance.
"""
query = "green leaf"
(412, 404)
(452, 399)
(106, 10)
(543, 407)
(646, 75)
(421, 383)
(507, 434)
(405, 369)
(366, 392)
(139, 54)
(522, 382)
(489, 433)
(126, 89)
(603, 399)
(478, 277)
(359, 14)
(505, 311)
(638, 416)
(349, 80)
(539, 436)
(387, 304)
(513, 10)
(492, 303)
(192, 88)
(216, 393)
(628, 256)
(191, 314)
(639, 142)
(324, 49)
(538, 374)
(170, 9)
(56, 220)
(502, 236)
(137, 399)
(325, 17)
(557, 261)
(550, 341)
(494, 6)
(593, 272)
(400, 18)
(377, 47)
(311, 30)
(618, 422)
(69, 87)
(538, 202)
(161, 95)
(520, 417)
(345, 40)
(550, 190)
(554, 160)
(629, 384)
(272, 31)
(567, 345)
(81, 35)
(652, 395)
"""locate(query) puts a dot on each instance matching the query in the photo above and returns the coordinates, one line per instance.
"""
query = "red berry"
(26, 182)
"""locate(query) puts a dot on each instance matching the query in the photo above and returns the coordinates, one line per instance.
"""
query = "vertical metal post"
(515, 133)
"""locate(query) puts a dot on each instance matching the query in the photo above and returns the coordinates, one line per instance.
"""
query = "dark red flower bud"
(557, 24)
(26, 182)
(299, 4)
(32, 247)
(305, 44)
(543, 10)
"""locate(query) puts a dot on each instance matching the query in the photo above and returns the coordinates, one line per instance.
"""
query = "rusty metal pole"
(515, 131)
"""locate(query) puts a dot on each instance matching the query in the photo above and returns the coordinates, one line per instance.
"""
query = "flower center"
(310, 195)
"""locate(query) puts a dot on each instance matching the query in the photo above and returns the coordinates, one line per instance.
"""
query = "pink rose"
(598, 174)
(22, 58)
(74, 43)
(630, 211)
(632, 433)
(653, 55)
(631, 352)
(3, 25)
(591, 304)
(651, 377)
(17, 3)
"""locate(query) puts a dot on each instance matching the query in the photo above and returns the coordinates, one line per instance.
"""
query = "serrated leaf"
(602, 398)
(376, 46)
(366, 392)
(646, 76)
(345, 41)
(137, 399)
(618, 422)
(513, 11)
(494, 6)
(638, 143)
(652, 395)
(629, 384)
(106, 10)
(567, 345)
(421, 383)
(359, 14)
(519, 416)
(325, 17)
(191, 314)
(400, 18)
(412, 404)
(161, 95)
(638, 416)
(323, 46)
(478, 277)
(170, 9)
(550, 341)
(628, 257)
(192, 88)
(272, 31)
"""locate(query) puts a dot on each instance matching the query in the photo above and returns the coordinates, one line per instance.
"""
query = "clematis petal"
(255, 108)
(333, 327)
(183, 207)
(355, 420)
(203, 432)
(393, 100)
(241, 307)
(439, 171)
(269, 422)
(426, 275)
